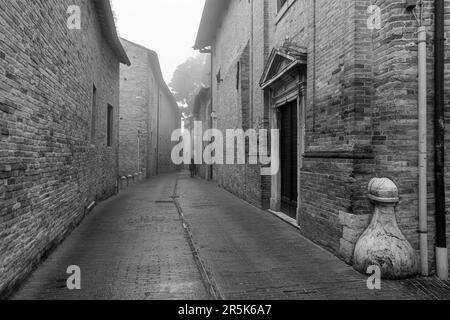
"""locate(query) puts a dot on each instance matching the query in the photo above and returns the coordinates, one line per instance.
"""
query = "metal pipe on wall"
(139, 151)
(422, 110)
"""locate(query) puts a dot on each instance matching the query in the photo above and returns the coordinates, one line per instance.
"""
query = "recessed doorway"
(289, 158)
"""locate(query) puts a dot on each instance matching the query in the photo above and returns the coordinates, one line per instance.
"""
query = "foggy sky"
(168, 27)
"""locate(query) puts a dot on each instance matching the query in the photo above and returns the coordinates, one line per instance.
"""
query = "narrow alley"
(209, 150)
(134, 246)
(130, 247)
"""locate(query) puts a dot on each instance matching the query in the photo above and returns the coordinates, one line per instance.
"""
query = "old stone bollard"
(383, 244)
(123, 183)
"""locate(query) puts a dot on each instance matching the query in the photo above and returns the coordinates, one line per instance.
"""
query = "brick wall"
(395, 126)
(143, 101)
(202, 113)
(447, 118)
(335, 119)
(169, 121)
(136, 83)
(361, 108)
(239, 106)
(361, 97)
(50, 169)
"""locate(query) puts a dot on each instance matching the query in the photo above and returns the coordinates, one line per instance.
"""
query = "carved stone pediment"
(284, 62)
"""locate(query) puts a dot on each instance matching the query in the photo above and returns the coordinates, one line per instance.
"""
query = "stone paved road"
(130, 247)
(251, 254)
(134, 247)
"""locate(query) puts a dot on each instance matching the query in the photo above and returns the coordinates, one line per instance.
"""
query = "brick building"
(59, 107)
(202, 113)
(148, 115)
(344, 97)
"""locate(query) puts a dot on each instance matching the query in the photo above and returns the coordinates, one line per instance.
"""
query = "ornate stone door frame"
(284, 79)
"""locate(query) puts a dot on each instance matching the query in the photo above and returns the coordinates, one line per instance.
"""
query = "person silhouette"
(192, 168)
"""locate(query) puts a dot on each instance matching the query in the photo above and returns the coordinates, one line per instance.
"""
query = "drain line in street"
(207, 277)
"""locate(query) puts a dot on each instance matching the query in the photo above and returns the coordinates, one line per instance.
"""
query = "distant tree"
(188, 79)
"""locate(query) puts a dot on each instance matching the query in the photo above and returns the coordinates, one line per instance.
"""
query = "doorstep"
(285, 218)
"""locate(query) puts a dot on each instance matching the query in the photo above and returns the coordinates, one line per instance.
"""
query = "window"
(93, 113)
(110, 126)
(283, 7)
(238, 75)
(281, 3)
(244, 87)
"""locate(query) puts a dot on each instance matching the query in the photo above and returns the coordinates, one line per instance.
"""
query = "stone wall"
(50, 167)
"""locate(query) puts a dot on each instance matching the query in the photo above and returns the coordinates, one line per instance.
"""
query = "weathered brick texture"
(361, 108)
(395, 126)
(238, 106)
(50, 169)
(147, 107)
(361, 97)
(137, 89)
(334, 115)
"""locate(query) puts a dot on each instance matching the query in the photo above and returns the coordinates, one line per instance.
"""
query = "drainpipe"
(422, 105)
(439, 131)
(158, 114)
(211, 121)
(252, 57)
(139, 151)
(314, 95)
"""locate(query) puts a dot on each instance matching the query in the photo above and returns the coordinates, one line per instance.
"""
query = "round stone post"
(383, 244)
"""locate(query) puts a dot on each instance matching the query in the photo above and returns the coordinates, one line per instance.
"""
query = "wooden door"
(288, 158)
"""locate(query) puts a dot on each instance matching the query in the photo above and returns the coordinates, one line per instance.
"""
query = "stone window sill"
(281, 13)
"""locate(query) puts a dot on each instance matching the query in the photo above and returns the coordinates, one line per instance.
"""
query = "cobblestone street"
(134, 246)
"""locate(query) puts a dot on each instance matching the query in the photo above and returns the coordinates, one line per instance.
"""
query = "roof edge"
(108, 26)
(154, 59)
(211, 19)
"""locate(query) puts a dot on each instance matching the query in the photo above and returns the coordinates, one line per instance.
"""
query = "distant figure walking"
(192, 168)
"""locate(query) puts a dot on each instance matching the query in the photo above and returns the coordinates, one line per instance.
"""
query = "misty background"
(168, 27)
